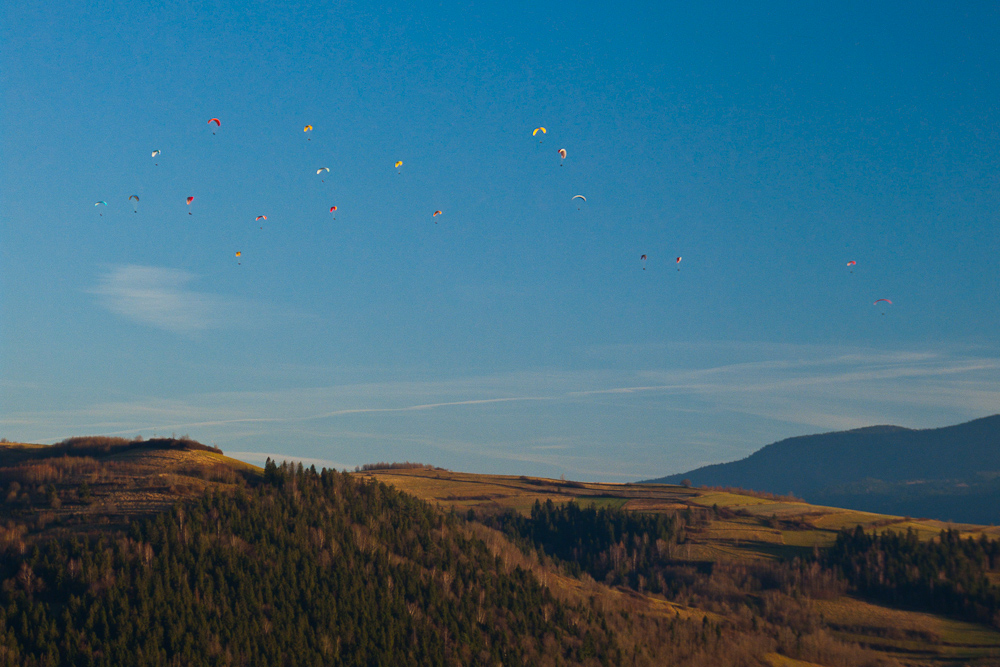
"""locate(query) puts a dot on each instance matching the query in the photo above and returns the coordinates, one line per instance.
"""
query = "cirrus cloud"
(162, 298)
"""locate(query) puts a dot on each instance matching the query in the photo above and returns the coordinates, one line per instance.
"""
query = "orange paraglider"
(218, 123)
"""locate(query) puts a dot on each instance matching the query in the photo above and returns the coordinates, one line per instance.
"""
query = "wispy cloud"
(162, 298)
(610, 424)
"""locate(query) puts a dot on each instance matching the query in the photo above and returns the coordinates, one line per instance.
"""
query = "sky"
(519, 331)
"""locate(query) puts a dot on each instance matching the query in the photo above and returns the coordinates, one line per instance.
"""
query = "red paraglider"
(190, 199)
(218, 123)
(333, 209)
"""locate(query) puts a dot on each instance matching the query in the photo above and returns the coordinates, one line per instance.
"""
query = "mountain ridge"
(958, 461)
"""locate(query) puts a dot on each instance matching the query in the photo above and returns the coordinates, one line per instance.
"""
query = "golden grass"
(744, 529)
(778, 660)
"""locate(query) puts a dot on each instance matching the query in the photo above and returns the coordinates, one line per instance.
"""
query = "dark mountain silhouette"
(950, 473)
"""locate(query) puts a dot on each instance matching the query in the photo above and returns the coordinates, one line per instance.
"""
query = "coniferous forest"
(304, 567)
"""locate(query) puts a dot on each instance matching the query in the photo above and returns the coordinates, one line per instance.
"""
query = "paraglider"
(852, 263)
(579, 197)
(333, 209)
(100, 203)
(562, 154)
(135, 206)
(643, 258)
(678, 263)
(436, 214)
(238, 255)
(399, 164)
(190, 199)
(218, 123)
(155, 153)
(537, 130)
(882, 300)
(308, 128)
(259, 218)
(321, 170)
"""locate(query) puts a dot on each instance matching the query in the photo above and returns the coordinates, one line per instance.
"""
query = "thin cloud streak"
(615, 424)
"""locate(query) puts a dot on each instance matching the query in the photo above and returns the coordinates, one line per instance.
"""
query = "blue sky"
(517, 332)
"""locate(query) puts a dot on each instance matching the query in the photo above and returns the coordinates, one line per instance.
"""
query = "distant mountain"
(950, 473)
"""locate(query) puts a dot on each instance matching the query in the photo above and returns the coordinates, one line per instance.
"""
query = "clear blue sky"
(517, 332)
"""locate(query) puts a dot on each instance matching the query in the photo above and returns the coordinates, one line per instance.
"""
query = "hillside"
(950, 473)
(118, 552)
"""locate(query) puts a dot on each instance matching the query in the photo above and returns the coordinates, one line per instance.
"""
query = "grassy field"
(741, 525)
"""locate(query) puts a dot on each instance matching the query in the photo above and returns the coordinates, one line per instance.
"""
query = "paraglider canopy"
(307, 128)
(579, 197)
(322, 169)
(562, 153)
(155, 153)
(135, 197)
(851, 263)
(332, 209)
(436, 214)
(218, 123)
(98, 203)
(189, 200)
(537, 130)
(260, 217)
(399, 164)
(886, 300)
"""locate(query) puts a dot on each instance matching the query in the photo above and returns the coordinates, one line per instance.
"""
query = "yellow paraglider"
(308, 128)
(238, 255)
(399, 164)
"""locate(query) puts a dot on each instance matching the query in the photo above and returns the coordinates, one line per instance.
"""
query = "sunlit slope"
(739, 525)
(51, 487)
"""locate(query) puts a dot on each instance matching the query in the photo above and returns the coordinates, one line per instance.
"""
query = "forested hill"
(950, 473)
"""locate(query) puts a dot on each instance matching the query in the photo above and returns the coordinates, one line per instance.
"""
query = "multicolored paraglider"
(259, 218)
(436, 214)
(562, 154)
(135, 206)
(190, 199)
(578, 197)
(218, 123)
(333, 209)
(852, 263)
(101, 203)
(678, 262)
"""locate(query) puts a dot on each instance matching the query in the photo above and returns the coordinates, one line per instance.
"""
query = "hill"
(950, 473)
(168, 552)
